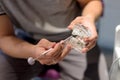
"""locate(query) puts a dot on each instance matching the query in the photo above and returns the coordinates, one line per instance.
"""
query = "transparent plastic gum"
(76, 40)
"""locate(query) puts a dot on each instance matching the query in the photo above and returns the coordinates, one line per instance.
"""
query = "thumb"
(46, 44)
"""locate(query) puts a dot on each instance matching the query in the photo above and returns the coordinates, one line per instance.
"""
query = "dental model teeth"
(76, 40)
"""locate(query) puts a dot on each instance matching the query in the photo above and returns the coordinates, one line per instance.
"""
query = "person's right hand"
(56, 54)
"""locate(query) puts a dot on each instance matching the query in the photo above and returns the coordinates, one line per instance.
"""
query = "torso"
(43, 17)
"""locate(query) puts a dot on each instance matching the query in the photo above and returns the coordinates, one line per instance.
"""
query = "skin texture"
(18, 48)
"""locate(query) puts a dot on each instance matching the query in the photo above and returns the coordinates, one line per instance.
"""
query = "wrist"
(90, 17)
(33, 51)
(37, 50)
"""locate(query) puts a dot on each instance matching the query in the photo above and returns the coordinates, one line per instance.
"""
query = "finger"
(54, 52)
(54, 61)
(75, 21)
(88, 47)
(60, 51)
(84, 50)
(45, 61)
(56, 58)
(49, 62)
(90, 39)
(46, 44)
(65, 52)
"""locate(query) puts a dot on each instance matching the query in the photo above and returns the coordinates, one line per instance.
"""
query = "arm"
(18, 48)
(91, 11)
(10, 44)
(91, 8)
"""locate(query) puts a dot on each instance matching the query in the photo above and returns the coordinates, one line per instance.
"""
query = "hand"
(89, 24)
(57, 53)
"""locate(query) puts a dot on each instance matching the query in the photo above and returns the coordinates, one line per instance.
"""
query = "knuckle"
(43, 39)
(96, 37)
(41, 62)
(77, 18)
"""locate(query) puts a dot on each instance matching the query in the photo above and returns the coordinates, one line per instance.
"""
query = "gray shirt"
(42, 18)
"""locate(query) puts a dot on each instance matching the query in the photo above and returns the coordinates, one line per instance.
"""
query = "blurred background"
(106, 26)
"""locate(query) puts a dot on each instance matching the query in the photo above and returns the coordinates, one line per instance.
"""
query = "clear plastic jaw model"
(76, 40)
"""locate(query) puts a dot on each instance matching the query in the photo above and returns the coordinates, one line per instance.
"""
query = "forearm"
(10, 44)
(93, 10)
(15, 47)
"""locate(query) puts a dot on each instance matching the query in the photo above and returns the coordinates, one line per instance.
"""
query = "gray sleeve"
(1, 10)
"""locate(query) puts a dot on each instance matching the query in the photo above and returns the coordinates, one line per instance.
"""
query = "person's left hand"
(89, 24)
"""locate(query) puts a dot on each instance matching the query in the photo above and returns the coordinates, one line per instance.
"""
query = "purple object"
(52, 74)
